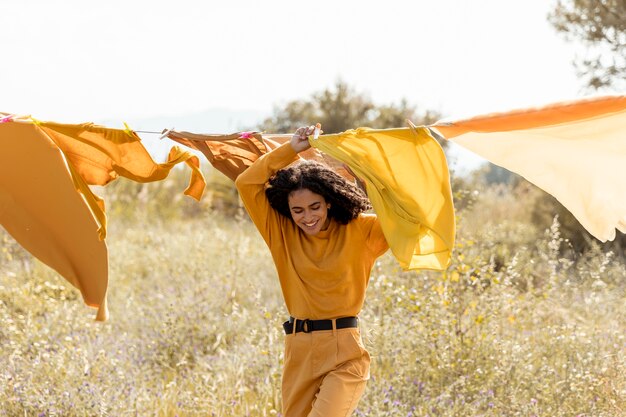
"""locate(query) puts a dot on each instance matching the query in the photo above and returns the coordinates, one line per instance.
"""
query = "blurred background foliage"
(600, 25)
(341, 108)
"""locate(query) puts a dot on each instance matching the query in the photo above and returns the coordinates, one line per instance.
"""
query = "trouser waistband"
(308, 326)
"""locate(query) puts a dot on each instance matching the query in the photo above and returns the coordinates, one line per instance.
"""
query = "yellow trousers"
(325, 373)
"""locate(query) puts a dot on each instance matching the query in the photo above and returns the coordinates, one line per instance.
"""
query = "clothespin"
(165, 133)
(318, 129)
(128, 130)
(6, 118)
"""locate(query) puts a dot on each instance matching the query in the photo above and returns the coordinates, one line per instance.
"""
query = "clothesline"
(163, 133)
(148, 131)
(572, 150)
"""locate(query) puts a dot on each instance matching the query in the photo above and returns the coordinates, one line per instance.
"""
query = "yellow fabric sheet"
(575, 151)
(409, 186)
(47, 205)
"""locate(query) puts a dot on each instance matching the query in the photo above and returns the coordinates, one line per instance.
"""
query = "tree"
(341, 108)
(494, 174)
(600, 25)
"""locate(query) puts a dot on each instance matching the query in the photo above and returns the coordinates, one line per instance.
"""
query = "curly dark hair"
(346, 200)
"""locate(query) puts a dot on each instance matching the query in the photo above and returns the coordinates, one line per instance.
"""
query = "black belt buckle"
(307, 326)
(286, 326)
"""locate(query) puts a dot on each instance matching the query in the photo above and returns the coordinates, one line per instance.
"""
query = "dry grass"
(511, 329)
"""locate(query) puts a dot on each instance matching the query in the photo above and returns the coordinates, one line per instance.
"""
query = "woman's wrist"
(300, 139)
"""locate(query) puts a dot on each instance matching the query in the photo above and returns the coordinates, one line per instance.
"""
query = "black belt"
(308, 326)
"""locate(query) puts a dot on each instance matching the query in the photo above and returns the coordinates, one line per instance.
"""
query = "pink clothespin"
(7, 119)
(245, 135)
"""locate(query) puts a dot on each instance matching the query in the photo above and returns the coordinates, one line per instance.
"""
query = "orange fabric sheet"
(46, 203)
(232, 153)
(535, 117)
(40, 208)
(99, 155)
(575, 151)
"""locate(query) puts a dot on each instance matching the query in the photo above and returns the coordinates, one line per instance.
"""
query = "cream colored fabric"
(409, 186)
(575, 151)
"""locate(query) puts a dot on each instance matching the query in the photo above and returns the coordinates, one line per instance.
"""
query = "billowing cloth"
(40, 208)
(45, 201)
(409, 187)
(407, 170)
(231, 154)
(575, 151)
(99, 155)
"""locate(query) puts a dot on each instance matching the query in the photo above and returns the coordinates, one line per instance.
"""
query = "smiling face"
(309, 211)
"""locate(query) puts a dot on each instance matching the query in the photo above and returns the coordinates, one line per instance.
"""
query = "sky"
(152, 60)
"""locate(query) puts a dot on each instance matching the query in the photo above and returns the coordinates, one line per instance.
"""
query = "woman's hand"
(300, 140)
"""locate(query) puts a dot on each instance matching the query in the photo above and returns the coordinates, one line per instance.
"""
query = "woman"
(324, 247)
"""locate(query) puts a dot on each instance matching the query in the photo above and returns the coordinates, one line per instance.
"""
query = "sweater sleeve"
(373, 233)
(251, 187)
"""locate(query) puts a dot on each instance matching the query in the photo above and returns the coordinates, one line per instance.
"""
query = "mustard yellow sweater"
(322, 276)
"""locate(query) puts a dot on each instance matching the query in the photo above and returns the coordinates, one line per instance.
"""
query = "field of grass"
(512, 328)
